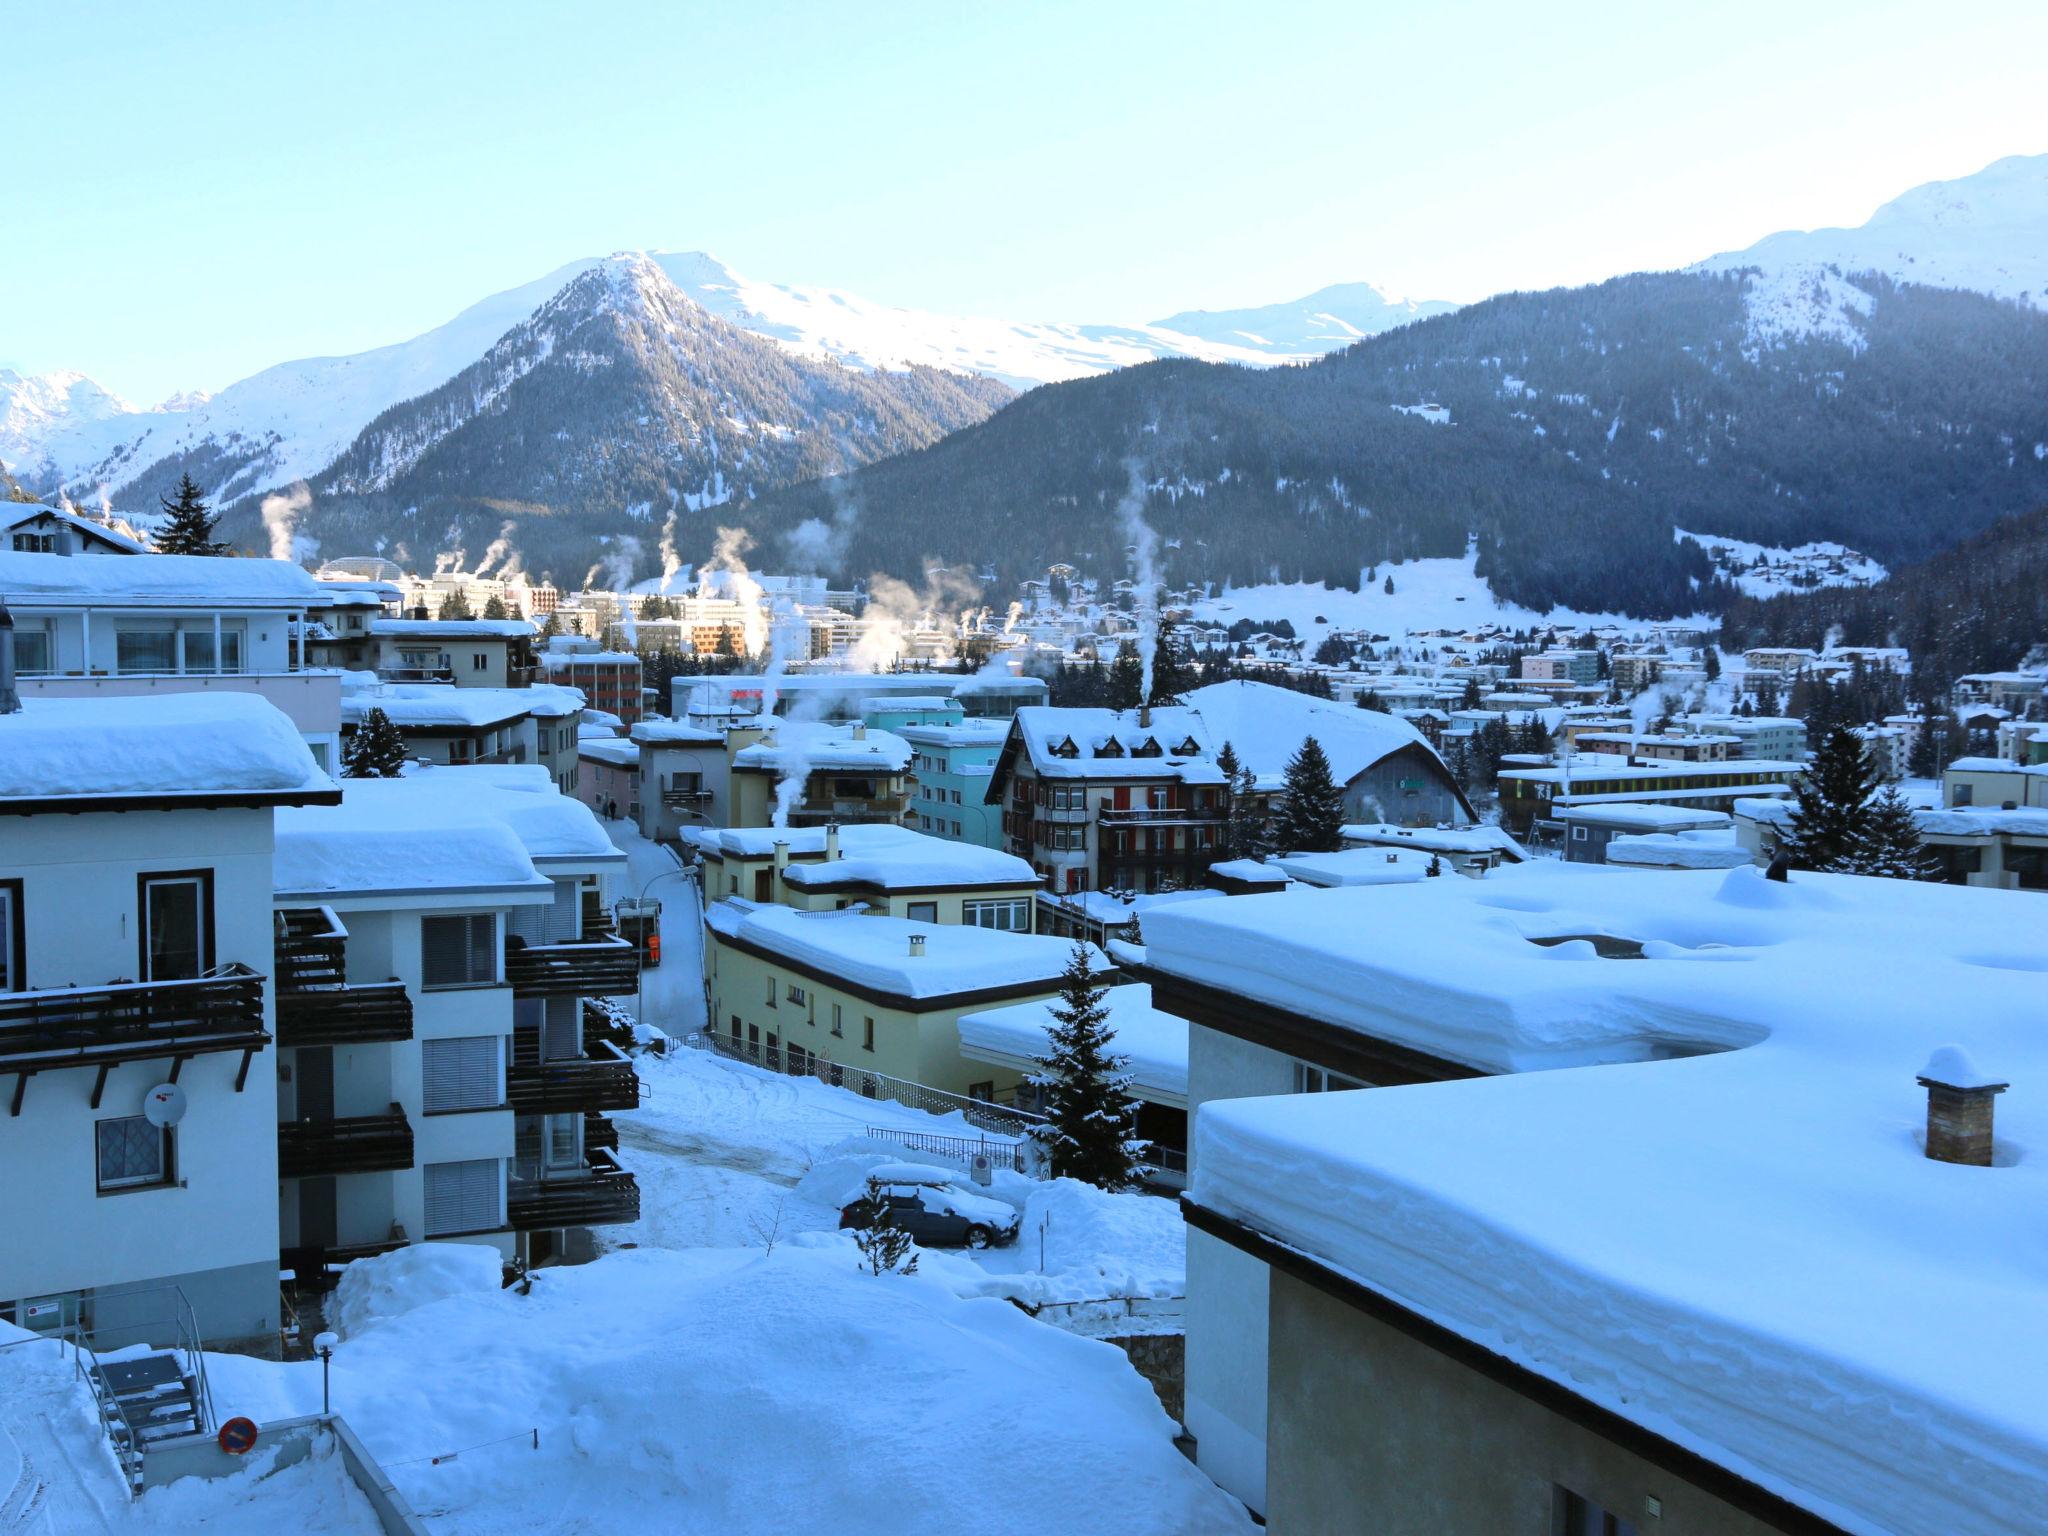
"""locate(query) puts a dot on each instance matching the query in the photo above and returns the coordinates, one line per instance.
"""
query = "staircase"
(149, 1396)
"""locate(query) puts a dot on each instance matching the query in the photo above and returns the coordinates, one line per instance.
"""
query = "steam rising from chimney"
(280, 521)
(1144, 556)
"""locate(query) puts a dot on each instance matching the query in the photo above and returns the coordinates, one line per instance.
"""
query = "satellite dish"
(164, 1104)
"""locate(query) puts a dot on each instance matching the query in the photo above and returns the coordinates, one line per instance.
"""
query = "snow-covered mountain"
(292, 421)
(1986, 233)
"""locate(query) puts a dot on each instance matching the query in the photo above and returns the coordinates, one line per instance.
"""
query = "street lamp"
(323, 1346)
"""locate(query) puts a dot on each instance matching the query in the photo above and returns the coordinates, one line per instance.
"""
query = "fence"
(960, 1149)
(979, 1113)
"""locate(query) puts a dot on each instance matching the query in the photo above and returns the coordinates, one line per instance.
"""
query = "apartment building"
(1532, 795)
(137, 1019)
(1660, 746)
(445, 724)
(1771, 738)
(608, 680)
(436, 938)
(816, 773)
(33, 528)
(685, 778)
(1562, 666)
(1447, 1301)
(883, 869)
(953, 765)
(110, 629)
(608, 775)
(470, 653)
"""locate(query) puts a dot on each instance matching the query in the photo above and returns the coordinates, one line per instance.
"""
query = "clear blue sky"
(194, 191)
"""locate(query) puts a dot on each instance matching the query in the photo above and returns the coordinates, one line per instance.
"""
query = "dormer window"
(1110, 748)
(1149, 747)
(1188, 748)
(1066, 748)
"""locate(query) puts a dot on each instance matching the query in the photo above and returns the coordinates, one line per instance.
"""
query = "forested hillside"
(1584, 425)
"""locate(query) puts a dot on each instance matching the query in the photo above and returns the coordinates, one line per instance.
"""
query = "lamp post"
(323, 1346)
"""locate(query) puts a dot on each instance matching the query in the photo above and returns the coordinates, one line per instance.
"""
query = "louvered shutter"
(458, 951)
(463, 1197)
(461, 1073)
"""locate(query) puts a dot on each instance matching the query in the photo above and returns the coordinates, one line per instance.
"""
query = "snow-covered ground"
(1427, 595)
(1763, 570)
(718, 1391)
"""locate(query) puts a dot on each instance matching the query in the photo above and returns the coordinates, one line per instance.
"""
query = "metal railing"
(537, 1086)
(1148, 815)
(980, 1113)
(127, 1438)
(958, 1149)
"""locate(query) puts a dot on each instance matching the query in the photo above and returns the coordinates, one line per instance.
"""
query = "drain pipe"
(10, 699)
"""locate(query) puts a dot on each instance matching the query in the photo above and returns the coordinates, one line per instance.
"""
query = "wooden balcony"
(604, 1195)
(131, 1021)
(315, 1003)
(605, 967)
(1162, 816)
(351, 1144)
(685, 799)
(537, 1087)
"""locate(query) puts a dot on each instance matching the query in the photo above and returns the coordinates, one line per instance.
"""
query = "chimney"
(421, 612)
(917, 946)
(1959, 1100)
(781, 858)
(831, 841)
(10, 701)
(1144, 717)
(860, 730)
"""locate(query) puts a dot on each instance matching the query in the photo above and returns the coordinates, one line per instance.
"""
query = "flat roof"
(168, 747)
(454, 629)
(33, 581)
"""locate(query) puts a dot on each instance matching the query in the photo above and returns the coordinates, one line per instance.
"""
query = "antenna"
(164, 1105)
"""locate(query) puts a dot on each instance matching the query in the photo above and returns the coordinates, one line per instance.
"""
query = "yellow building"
(838, 993)
(888, 869)
(848, 773)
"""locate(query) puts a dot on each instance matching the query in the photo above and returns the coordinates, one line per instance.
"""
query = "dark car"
(936, 1210)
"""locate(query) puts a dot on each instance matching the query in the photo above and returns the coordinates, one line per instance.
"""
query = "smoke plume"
(1144, 556)
(280, 521)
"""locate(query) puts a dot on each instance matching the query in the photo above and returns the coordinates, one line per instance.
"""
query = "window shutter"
(463, 1197)
(461, 1073)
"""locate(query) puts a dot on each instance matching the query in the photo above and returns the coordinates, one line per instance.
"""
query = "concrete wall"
(80, 900)
(1226, 1301)
(1370, 1430)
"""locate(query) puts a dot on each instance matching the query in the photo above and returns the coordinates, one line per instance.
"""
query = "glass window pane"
(145, 650)
(31, 650)
(177, 929)
(131, 1151)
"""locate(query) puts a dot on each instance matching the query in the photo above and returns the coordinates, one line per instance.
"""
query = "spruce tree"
(455, 606)
(885, 1248)
(1833, 809)
(376, 751)
(1250, 828)
(1090, 1132)
(1312, 807)
(1170, 675)
(1126, 678)
(494, 607)
(1890, 843)
(188, 525)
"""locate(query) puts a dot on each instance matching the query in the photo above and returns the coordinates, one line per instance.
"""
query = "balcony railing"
(537, 1087)
(607, 967)
(131, 1021)
(605, 1195)
(599, 1133)
(1172, 815)
(352, 1144)
(685, 799)
(416, 674)
(315, 1003)
(308, 949)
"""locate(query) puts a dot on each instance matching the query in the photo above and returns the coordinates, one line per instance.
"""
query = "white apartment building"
(137, 1124)
(91, 628)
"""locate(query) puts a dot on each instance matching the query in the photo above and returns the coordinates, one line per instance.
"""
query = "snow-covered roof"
(883, 857)
(1744, 1251)
(553, 660)
(1266, 726)
(1678, 850)
(453, 629)
(357, 594)
(168, 746)
(1995, 765)
(975, 731)
(1253, 871)
(439, 828)
(1112, 909)
(675, 733)
(909, 701)
(1102, 743)
(1473, 839)
(874, 952)
(811, 746)
(1638, 817)
(608, 748)
(1357, 866)
(15, 516)
(161, 581)
(1607, 765)
(1954, 821)
(1154, 1042)
(428, 705)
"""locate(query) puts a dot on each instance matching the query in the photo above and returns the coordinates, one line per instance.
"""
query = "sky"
(197, 191)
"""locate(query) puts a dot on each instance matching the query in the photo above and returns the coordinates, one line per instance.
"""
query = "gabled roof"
(92, 531)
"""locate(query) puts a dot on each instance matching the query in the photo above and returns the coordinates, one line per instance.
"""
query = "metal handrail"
(1000, 1118)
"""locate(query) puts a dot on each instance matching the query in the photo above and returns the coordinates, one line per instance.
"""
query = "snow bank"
(1124, 1244)
(388, 1285)
(152, 744)
(312, 1497)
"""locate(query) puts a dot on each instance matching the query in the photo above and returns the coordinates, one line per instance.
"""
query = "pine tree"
(1249, 831)
(1389, 587)
(1126, 678)
(550, 626)
(1090, 1132)
(1712, 658)
(455, 606)
(1312, 807)
(375, 751)
(494, 607)
(1833, 810)
(188, 526)
(1170, 675)
(1371, 698)
(885, 1248)
(1890, 842)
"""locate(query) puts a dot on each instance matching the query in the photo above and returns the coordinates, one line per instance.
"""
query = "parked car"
(936, 1209)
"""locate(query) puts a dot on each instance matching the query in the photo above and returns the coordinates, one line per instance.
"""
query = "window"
(461, 1073)
(956, 796)
(32, 648)
(771, 991)
(198, 647)
(838, 1022)
(1578, 834)
(12, 959)
(1309, 1078)
(36, 543)
(459, 951)
(564, 1149)
(132, 1153)
(177, 925)
(867, 1034)
(1011, 916)
(796, 994)
(478, 661)
(922, 911)
(1572, 1515)
(461, 750)
(1962, 794)
(463, 1197)
(146, 650)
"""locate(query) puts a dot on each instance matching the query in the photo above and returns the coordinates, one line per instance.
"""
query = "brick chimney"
(1959, 1103)
(917, 946)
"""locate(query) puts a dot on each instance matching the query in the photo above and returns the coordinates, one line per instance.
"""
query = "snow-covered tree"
(1889, 844)
(1311, 816)
(376, 751)
(188, 526)
(1833, 809)
(1091, 1124)
(885, 1248)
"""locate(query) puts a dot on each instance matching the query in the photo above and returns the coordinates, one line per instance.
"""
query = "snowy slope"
(1327, 319)
(1987, 233)
(34, 407)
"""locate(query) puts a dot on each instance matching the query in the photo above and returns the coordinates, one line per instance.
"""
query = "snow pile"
(312, 1497)
(1154, 1042)
(807, 746)
(1678, 850)
(1772, 1274)
(655, 1381)
(883, 857)
(1123, 1244)
(170, 744)
(388, 1285)
(1473, 839)
(1358, 866)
